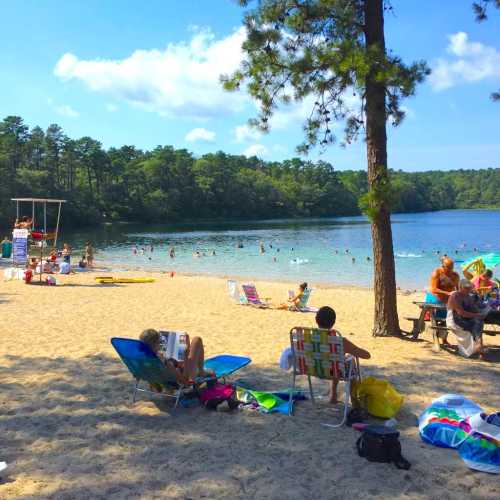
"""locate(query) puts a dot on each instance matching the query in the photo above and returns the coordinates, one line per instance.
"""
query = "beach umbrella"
(490, 260)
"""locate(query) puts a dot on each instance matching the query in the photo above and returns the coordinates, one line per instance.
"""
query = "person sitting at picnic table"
(474, 269)
(484, 283)
(444, 281)
(465, 313)
(325, 318)
(186, 371)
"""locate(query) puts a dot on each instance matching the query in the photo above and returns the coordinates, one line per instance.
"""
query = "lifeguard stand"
(45, 235)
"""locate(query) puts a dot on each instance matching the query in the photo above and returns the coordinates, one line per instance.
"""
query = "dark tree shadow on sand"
(69, 430)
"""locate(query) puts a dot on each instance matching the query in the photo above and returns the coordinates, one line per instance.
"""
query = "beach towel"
(440, 421)
(286, 359)
(267, 402)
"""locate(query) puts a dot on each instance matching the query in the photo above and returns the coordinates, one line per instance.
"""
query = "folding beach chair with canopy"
(320, 353)
(145, 366)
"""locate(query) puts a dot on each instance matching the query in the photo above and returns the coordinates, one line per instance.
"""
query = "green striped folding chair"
(320, 353)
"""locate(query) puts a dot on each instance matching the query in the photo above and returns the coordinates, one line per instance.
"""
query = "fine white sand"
(69, 430)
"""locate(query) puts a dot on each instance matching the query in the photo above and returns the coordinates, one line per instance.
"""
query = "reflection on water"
(315, 250)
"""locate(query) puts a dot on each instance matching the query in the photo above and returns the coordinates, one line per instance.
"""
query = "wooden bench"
(440, 330)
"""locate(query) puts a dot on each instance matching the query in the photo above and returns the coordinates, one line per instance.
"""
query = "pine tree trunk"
(386, 315)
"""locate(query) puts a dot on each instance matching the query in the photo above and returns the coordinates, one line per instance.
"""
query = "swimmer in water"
(239, 244)
(196, 254)
(134, 250)
(172, 252)
(152, 248)
(213, 253)
(353, 260)
(346, 250)
(274, 259)
(368, 259)
(261, 247)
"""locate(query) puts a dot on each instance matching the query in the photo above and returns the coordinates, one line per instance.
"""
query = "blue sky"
(145, 73)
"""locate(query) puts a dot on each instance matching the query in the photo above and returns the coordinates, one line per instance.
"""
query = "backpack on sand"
(381, 444)
(213, 396)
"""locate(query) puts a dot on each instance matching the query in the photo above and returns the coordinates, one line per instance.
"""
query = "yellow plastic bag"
(378, 397)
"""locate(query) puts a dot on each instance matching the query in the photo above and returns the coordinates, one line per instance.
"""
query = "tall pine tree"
(326, 51)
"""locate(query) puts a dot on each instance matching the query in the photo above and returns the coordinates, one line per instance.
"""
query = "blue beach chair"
(145, 366)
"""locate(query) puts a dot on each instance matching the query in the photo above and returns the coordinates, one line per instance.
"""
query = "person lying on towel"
(186, 371)
(325, 318)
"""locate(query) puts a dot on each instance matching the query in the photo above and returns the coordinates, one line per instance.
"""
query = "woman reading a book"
(186, 369)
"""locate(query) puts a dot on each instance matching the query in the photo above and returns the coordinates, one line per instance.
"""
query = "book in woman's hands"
(173, 344)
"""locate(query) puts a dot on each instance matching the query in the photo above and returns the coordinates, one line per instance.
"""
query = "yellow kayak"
(110, 279)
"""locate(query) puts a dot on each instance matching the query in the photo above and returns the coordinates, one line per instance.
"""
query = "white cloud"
(68, 111)
(256, 150)
(470, 62)
(180, 80)
(245, 133)
(112, 108)
(293, 113)
(200, 134)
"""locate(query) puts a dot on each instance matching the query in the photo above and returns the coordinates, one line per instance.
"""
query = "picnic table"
(438, 322)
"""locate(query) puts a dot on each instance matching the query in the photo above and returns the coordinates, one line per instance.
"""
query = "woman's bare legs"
(193, 365)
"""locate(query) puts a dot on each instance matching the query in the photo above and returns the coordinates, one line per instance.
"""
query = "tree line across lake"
(168, 184)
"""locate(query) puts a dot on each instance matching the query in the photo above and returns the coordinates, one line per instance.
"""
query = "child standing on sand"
(89, 254)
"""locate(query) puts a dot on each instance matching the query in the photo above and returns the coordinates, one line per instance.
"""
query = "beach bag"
(381, 444)
(440, 421)
(378, 397)
(213, 396)
(478, 442)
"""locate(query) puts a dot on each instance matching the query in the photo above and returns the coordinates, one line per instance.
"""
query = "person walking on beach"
(89, 254)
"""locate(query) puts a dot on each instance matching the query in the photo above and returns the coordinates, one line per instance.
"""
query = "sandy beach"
(69, 429)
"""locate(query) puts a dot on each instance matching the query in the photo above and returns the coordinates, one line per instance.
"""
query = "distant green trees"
(167, 184)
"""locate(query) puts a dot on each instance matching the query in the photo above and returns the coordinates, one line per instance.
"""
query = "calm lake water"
(312, 250)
